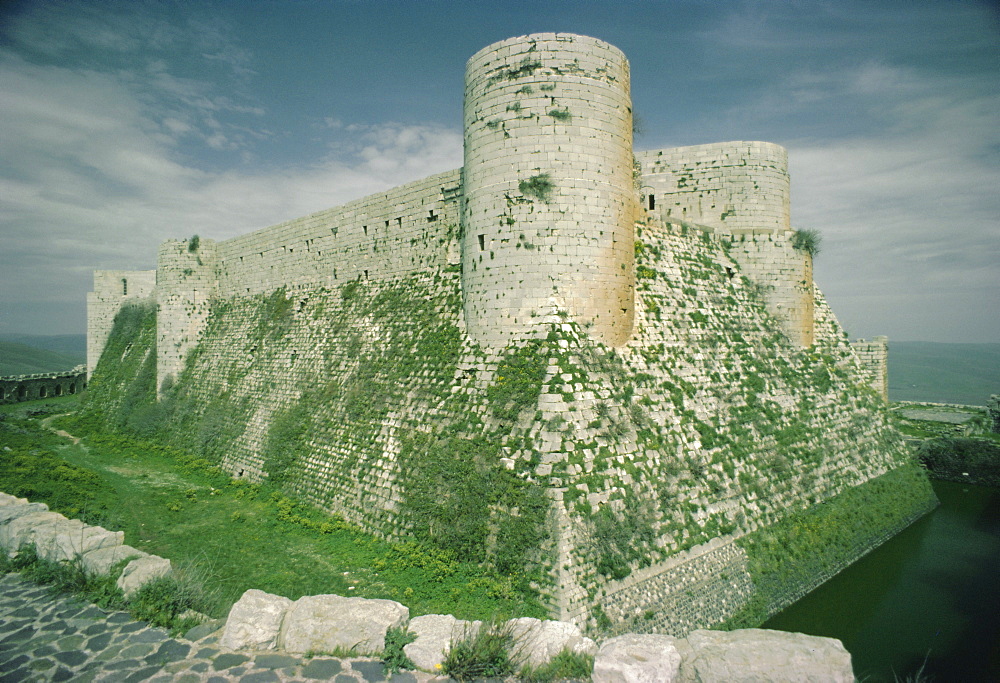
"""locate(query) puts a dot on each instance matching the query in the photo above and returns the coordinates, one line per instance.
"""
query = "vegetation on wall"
(810, 545)
(807, 240)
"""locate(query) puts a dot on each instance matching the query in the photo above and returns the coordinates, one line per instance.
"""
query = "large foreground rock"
(331, 623)
(539, 641)
(763, 655)
(138, 573)
(435, 634)
(254, 622)
(67, 543)
(101, 560)
(637, 658)
(24, 528)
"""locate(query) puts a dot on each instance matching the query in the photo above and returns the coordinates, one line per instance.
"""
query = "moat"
(929, 592)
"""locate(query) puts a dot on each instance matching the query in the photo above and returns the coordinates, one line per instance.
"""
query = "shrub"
(539, 186)
(807, 241)
(193, 244)
(564, 666)
(393, 656)
(489, 652)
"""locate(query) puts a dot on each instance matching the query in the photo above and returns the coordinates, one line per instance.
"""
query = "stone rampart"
(112, 288)
(873, 355)
(464, 379)
(18, 388)
(548, 182)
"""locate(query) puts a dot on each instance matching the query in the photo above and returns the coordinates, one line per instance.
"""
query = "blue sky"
(126, 123)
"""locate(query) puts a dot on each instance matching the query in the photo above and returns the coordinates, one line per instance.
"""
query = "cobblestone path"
(46, 637)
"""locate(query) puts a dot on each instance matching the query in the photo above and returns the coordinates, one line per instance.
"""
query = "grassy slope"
(23, 354)
(943, 373)
(234, 536)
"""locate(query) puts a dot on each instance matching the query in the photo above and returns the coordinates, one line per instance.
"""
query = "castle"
(606, 365)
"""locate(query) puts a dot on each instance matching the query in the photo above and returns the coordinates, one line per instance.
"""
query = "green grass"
(19, 358)
(238, 535)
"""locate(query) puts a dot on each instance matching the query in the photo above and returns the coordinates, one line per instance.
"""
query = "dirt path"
(47, 423)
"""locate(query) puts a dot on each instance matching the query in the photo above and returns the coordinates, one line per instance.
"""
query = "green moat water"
(931, 592)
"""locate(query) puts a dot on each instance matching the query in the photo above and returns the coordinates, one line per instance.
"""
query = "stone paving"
(58, 637)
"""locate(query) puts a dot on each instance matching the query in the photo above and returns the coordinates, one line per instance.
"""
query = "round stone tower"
(550, 200)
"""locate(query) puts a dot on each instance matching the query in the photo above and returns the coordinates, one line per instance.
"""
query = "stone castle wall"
(873, 355)
(649, 351)
(31, 387)
(112, 288)
(549, 198)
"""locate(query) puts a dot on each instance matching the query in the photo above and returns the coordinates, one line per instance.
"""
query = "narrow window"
(124, 287)
(431, 217)
(387, 223)
(482, 242)
(365, 228)
(366, 274)
(652, 202)
(399, 222)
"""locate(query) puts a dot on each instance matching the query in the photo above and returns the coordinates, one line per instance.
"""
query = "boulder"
(764, 655)
(537, 641)
(7, 499)
(22, 530)
(254, 622)
(101, 560)
(435, 633)
(635, 658)
(66, 543)
(331, 623)
(141, 571)
(15, 510)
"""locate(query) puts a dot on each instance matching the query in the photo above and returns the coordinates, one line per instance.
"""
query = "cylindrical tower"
(549, 192)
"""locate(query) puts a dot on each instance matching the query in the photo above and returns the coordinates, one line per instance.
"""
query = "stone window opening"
(41, 392)
(365, 228)
(124, 287)
(399, 222)
(366, 274)
(482, 242)
(387, 224)
(652, 202)
(431, 216)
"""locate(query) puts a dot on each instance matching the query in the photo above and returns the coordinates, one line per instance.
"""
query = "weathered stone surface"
(141, 571)
(70, 543)
(325, 623)
(763, 655)
(435, 633)
(254, 622)
(101, 560)
(19, 508)
(539, 641)
(23, 529)
(7, 499)
(633, 658)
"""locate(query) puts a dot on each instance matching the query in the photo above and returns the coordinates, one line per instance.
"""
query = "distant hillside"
(943, 373)
(23, 354)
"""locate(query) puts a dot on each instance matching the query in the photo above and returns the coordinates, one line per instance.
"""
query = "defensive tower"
(549, 192)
